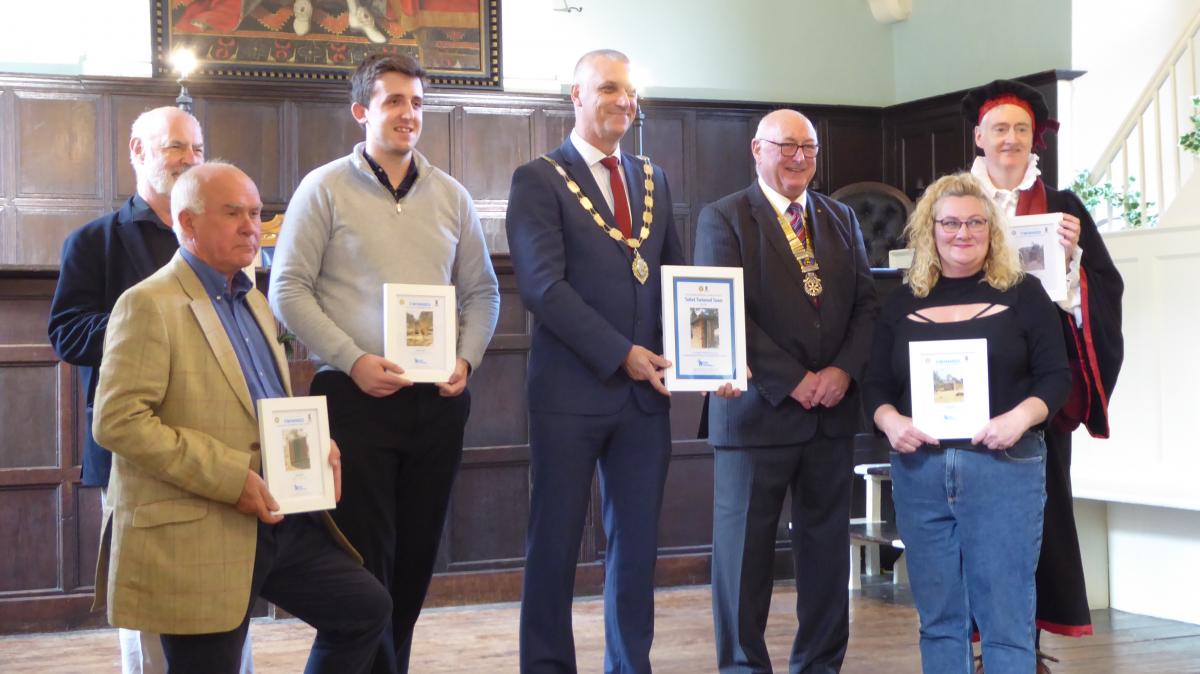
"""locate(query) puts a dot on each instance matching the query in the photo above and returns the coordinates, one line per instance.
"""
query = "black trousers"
(298, 567)
(750, 486)
(400, 455)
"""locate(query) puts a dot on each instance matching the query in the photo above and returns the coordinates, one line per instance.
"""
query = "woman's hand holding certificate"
(902, 435)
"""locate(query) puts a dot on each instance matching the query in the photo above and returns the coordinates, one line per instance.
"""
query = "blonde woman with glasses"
(970, 509)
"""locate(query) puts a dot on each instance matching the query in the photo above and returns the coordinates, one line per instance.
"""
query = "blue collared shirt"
(249, 343)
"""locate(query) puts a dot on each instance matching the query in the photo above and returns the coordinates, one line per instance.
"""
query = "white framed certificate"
(294, 436)
(704, 327)
(1036, 242)
(420, 330)
(948, 380)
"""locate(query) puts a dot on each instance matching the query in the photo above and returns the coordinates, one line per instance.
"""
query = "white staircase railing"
(1146, 147)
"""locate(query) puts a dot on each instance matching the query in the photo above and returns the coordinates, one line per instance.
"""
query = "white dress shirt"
(592, 156)
(779, 202)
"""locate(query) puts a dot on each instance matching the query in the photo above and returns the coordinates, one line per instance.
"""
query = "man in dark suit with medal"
(810, 308)
(589, 227)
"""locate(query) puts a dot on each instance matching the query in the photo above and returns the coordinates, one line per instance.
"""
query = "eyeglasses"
(789, 149)
(951, 226)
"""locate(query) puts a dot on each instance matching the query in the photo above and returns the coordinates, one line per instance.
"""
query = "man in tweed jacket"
(189, 539)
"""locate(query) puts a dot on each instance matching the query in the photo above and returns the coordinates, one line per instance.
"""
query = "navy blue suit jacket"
(786, 336)
(100, 261)
(576, 281)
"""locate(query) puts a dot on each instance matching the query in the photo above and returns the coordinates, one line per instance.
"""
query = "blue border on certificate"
(728, 283)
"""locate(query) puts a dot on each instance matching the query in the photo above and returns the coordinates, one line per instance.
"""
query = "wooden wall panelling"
(62, 150)
(437, 139)
(852, 151)
(26, 512)
(557, 124)
(664, 137)
(86, 505)
(723, 160)
(926, 149)
(123, 110)
(663, 140)
(34, 232)
(498, 140)
(8, 161)
(948, 151)
(25, 306)
(1048, 158)
(498, 402)
(489, 509)
(41, 513)
(7, 225)
(323, 132)
(250, 135)
(30, 390)
(685, 228)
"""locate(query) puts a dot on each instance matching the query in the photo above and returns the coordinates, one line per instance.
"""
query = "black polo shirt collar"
(405, 185)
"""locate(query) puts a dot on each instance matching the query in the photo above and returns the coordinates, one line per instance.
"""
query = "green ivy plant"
(1190, 141)
(1126, 204)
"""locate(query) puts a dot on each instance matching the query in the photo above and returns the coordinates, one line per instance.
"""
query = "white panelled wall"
(1138, 493)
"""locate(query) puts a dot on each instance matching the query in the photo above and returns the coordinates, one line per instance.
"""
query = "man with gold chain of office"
(810, 308)
(596, 396)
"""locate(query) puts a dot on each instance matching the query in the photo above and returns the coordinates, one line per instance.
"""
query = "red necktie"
(620, 201)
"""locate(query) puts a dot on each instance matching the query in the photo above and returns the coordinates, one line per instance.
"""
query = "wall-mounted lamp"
(890, 11)
(184, 62)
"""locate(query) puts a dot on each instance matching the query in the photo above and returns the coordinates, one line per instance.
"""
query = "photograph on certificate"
(703, 327)
(424, 322)
(1035, 239)
(420, 330)
(294, 440)
(949, 387)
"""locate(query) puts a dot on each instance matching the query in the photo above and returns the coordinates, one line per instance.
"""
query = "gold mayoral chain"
(641, 270)
(803, 251)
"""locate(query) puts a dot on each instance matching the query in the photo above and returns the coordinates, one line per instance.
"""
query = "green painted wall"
(823, 51)
(956, 44)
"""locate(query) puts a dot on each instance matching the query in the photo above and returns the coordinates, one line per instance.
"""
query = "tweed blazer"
(172, 405)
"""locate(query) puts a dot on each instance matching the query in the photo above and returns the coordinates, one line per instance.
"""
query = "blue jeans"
(971, 521)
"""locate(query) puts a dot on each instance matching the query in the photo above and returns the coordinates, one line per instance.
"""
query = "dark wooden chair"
(882, 212)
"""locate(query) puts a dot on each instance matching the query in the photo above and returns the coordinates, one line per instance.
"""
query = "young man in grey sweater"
(384, 214)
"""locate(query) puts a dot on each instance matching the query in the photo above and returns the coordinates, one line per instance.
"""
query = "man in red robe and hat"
(1011, 118)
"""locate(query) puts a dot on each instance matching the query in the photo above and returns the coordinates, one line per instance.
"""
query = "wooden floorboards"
(483, 639)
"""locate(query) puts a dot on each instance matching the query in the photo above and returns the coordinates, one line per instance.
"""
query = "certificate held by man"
(1035, 240)
(294, 436)
(704, 327)
(420, 330)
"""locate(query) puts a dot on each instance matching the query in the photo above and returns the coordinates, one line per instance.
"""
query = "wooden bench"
(869, 532)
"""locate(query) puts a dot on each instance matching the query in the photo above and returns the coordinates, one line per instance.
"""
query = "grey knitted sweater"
(343, 238)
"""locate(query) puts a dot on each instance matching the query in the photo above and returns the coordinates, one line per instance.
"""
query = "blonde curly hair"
(1000, 268)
